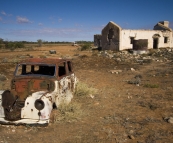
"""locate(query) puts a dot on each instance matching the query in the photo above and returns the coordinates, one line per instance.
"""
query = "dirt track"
(119, 112)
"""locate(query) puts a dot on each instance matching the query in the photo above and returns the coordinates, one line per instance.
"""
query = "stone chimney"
(165, 23)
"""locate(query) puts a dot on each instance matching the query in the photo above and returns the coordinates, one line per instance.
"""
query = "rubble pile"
(159, 55)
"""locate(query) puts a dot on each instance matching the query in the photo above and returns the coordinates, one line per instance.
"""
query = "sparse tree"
(40, 42)
(1, 40)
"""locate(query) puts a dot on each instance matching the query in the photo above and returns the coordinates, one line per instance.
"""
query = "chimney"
(165, 23)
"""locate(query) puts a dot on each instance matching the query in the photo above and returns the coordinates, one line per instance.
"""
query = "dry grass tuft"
(83, 89)
(73, 112)
(42, 56)
(68, 113)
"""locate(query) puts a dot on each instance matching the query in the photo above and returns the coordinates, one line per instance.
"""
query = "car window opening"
(48, 70)
(62, 70)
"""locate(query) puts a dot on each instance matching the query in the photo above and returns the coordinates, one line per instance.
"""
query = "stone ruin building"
(113, 37)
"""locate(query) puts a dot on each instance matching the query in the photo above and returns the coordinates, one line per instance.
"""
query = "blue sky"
(74, 20)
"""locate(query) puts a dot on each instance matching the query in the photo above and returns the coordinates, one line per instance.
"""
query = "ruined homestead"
(113, 37)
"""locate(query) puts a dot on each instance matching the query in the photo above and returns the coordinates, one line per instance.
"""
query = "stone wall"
(146, 34)
(97, 40)
(111, 37)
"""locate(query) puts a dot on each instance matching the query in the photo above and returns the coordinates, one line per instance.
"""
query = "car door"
(66, 83)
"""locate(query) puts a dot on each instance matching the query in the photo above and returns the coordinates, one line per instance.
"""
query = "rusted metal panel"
(43, 60)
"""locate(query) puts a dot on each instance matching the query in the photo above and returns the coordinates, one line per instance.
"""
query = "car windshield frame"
(35, 74)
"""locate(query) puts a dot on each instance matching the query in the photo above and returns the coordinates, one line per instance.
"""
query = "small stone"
(131, 137)
(115, 71)
(132, 69)
(131, 131)
(92, 96)
(97, 103)
(170, 120)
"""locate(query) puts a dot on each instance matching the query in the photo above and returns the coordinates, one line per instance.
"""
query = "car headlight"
(39, 104)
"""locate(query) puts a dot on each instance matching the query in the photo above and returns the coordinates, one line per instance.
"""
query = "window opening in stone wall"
(131, 40)
(165, 39)
(110, 35)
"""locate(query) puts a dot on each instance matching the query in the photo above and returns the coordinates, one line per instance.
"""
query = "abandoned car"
(37, 86)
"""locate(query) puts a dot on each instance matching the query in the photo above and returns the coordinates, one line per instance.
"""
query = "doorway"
(155, 43)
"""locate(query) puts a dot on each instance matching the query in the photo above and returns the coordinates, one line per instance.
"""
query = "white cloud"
(23, 20)
(0, 19)
(40, 24)
(45, 31)
(98, 28)
(3, 13)
(59, 20)
(78, 25)
(54, 34)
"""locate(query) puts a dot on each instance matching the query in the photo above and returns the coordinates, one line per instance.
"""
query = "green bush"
(85, 47)
(19, 45)
(14, 45)
(151, 85)
(10, 45)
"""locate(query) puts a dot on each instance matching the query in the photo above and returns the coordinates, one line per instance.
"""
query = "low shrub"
(151, 85)
(13, 45)
(83, 89)
(85, 47)
(68, 113)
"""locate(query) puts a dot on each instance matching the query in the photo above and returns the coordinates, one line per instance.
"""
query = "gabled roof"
(161, 25)
(111, 22)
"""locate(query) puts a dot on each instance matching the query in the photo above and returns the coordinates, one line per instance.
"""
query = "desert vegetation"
(120, 97)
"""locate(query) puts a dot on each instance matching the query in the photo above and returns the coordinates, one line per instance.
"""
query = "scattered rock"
(52, 51)
(97, 103)
(131, 137)
(132, 69)
(169, 119)
(76, 55)
(92, 96)
(136, 80)
(3, 77)
(5, 60)
(160, 55)
(118, 59)
(115, 71)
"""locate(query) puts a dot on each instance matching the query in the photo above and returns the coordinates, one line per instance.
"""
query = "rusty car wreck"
(37, 86)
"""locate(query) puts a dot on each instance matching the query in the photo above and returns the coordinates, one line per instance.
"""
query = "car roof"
(43, 61)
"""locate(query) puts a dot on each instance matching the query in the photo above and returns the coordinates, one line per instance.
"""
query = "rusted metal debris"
(37, 85)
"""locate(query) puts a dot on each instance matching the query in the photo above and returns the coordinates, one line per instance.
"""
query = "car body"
(38, 84)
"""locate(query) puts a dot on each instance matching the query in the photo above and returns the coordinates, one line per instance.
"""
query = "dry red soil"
(118, 113)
